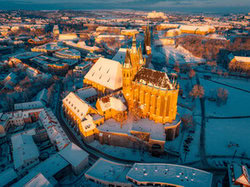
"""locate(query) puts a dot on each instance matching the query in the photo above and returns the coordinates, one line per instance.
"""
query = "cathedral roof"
(107, 73)
(153, 78)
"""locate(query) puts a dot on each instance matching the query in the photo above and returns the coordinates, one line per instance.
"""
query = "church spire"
(134, 42)
(127, 62)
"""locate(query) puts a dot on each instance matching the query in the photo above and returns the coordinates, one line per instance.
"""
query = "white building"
(49, 168)
(25, 151)
(54, 130)
(168, 174)
(68, 36)
(154, 15)
(38, 180)
(108, 173)
(77, 157)
(28, 105)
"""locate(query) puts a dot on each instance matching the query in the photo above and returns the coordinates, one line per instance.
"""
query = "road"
(203, 127)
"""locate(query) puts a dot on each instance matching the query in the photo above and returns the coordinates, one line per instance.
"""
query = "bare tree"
(187, 121)
(197, 91)
(222, 96)
(191, 73)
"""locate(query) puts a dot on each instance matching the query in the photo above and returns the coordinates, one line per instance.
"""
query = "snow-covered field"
(176, 55)
(239, 83)
(194, 146)
(225, 136)
(237, 104)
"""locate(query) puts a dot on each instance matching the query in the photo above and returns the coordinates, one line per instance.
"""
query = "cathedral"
(134, 106)
(149, 93)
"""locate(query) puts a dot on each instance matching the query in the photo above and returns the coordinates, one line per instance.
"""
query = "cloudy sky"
(168, 5)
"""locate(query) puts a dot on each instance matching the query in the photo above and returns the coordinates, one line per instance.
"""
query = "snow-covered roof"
(170, 174)
(48, 168)
(68, 36)
(120, 55)
(107, 73)
(242, 59)
(76, 105)
(110, 102)
(27, 55)
(42, 96)
(108, 171)
(153, 78)
(85, 93)
(88, 124)
(38, 180)
(24, 148)
(7, 176)
(204, 28)
(68, 52)
(73, 154)
(28, 105)
(54, 129)
(238, 175)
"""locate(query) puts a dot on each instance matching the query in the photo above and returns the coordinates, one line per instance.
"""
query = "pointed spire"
(134, 42)
(127, 62)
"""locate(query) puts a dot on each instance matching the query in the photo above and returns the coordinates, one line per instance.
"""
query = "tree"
(177, 69)
(191, 73)
(222, 96)
(197, 91)
(187, 121)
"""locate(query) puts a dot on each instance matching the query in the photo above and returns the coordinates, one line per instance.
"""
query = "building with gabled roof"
(81, 115)
(54, 130)
(105, 75)
(238, 175)
(112, 107)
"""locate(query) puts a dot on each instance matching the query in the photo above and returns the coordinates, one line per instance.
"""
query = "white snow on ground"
(180, 55)
(194, 146)
(223, 135)
(239, 83)
(237, 104)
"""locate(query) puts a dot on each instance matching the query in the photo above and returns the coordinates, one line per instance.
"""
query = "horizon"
(182, 6)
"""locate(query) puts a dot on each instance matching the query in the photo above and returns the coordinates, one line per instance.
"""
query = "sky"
(216, 6)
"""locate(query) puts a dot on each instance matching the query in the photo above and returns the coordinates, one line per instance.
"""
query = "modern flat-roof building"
(108, 173)
(77, 157)
(143, 174)
(25, 151)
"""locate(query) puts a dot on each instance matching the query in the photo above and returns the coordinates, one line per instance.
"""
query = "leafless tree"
(197, 91)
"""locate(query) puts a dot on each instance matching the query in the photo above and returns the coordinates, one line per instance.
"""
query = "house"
(25, 152)
(238, 175)
(77, 157)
